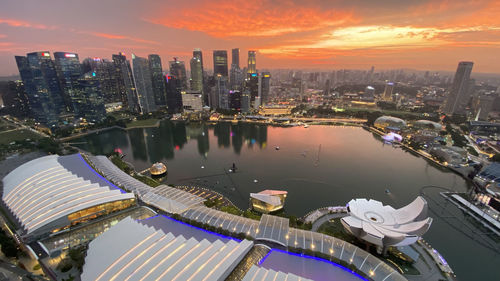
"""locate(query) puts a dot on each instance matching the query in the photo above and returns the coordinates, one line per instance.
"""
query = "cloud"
(239, 18)
(383, 37)
(21, 23)
(121, 37)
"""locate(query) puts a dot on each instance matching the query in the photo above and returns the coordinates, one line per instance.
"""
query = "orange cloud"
(121, 37)
(240, 18)
(21, 23)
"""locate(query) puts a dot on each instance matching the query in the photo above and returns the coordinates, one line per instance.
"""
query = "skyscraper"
(235, 58)
(198, 54)
(387, 95)
(460, 89)
(219, 97)
(90, 99)
(69, 71)
(264, 86)
(174, 96)
(220, 63)
(42, 86)
(127, 88)
(144, 84)
(159, 91)
(252, 62)
(196, 75)
(178, 69)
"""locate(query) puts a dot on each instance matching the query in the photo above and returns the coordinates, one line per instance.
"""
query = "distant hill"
(10, 78)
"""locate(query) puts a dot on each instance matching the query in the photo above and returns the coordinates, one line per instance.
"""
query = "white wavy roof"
(386, 226)
(144, 253)
(42, 191)
(257, 273)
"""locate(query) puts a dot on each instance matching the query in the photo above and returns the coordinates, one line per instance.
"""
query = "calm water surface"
(318, 166)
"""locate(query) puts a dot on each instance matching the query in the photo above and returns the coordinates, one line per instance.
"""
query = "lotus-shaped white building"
(385, 226)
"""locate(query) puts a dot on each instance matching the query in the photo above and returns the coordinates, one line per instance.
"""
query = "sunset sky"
(308, 34)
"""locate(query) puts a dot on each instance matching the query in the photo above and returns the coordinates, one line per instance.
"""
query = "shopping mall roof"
(145, 253)
(383, 225)
(49, 188)
(257, 273)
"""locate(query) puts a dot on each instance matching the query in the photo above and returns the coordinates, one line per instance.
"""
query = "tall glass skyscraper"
(196, 75)
(42, 85)
(174, 96)
(127, 88)
(252, 62)
(235, 58)
(198, 54)
(460, 89)
(264, 87)
(178, 69)
(220, 63)
(144, 84)
(69, 71)
(159, 91)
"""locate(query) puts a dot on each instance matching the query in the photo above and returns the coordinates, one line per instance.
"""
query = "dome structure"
(158, 169)
(389, 122)
(428, 124)
(384, 226)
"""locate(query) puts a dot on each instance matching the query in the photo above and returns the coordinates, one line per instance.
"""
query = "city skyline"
(325, 34)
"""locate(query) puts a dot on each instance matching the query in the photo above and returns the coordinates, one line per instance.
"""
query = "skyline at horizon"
(325, 34)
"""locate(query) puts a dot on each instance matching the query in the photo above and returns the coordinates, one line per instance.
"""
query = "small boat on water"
(277, 147)
(387, 191)
(306, 126)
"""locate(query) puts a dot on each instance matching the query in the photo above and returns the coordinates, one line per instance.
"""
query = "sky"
(307, 34)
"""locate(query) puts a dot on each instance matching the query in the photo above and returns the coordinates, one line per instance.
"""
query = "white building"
(385, 226)
(133, 251)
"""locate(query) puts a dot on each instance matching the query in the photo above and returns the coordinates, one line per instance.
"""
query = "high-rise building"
(252, 84)
(69, 71)
(235, 100)
(144, 84)
(192, 102)
(219, 95)
(264, 86)
(220, 63)
(158, 80)
(13, 99)
(174, 96)
(235, 58)
(105, 73)
(460, 89)
(196, 75)
(236, 77)
(90, 99)
(178, 69)
(128, 92)
(198, 54)
(252, 62)
(42, 86)
(387, 95)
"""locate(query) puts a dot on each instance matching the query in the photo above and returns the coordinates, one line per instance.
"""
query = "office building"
(42, 86)
(89, 101)
(389, 88)
(144, 83)
(220, 63)
(235, 57)
(174, 95)
(235, 100)
(126, 83)
(264, 86)
(252, 62)
(252, 84)
(178, 69)
(219, 97)
(460, 89)
(196, 75)
(69, 71)
(158, 81)
(198, 54)
(192, 102)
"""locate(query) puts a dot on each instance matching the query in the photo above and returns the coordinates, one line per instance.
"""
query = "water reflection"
(157, 144)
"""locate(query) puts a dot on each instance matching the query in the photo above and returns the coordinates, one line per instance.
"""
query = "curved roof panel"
(45, 189)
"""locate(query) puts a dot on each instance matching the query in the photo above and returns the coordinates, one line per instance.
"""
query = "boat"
(387, 191)
(306, 126)
(277, 147)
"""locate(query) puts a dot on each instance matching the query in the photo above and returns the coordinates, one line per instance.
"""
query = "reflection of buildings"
(222, 131)
(268, 201)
